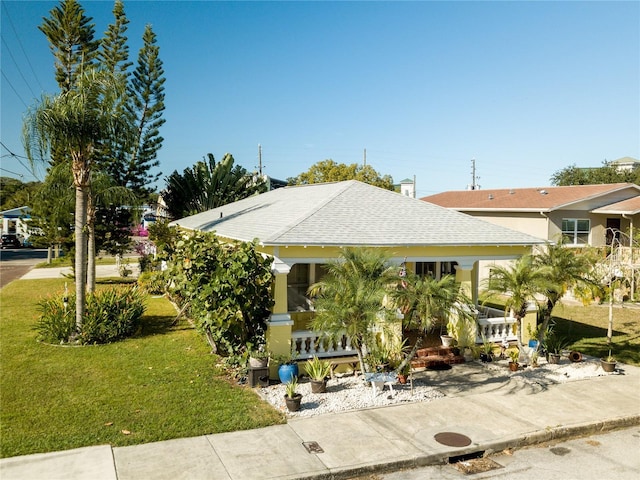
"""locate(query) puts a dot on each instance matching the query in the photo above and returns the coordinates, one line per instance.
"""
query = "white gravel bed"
(347, 393)
(550, 373)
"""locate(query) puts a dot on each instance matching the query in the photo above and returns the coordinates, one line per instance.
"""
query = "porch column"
(278, 335)
(464, 276)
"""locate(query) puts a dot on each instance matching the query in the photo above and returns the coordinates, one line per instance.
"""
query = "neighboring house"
(303, 227)
(583, 214)
(626, 164)
(16, 221)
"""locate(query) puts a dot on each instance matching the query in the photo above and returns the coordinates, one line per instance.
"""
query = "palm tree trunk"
(91, 245)
(91, 258)
(81, 253)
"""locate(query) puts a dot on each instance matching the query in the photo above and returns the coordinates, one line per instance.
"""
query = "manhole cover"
(452, 439)
(313, 447)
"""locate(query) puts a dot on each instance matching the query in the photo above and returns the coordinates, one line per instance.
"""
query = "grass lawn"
(586, 328)
(162, 384)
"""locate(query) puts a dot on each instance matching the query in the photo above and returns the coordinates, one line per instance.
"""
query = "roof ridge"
(314, 209)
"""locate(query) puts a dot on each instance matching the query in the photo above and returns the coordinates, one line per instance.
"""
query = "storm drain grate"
(452, 439)
(477, 465)
(313, 447)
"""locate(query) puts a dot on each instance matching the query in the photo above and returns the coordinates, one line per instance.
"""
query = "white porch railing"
(495, 326)
(307, 343)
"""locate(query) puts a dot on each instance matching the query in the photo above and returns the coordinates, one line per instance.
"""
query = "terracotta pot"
(402, 378)
(575, 357)
(513, 366)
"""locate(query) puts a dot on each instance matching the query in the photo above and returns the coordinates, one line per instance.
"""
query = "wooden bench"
(335, 362)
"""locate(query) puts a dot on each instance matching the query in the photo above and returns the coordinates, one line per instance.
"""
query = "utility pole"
(260, 159)
(364, 158)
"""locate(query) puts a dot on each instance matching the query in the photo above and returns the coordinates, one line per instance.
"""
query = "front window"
(576, 230)
(300, 278)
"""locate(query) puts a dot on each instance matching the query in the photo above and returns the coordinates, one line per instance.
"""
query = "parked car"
(10, 240)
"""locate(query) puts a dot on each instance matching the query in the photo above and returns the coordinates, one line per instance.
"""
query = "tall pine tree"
(70, 34)
(146, 104)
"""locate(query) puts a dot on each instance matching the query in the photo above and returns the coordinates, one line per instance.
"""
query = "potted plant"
(514, 355)
(403, 375)
(258, 358)
(486, 350)
(554, 345)
(292, 398)
(318, 370)
(288, 367)
(608, 363)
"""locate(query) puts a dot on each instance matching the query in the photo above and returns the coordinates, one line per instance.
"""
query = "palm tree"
(208, 185)
(350, 296)
(521, 282)
(76, 121)
(568, 269)
(425, 300)
(103, 192)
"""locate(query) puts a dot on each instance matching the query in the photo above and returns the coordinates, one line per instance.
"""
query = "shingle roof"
(630, 206)
(525, 199)
(348, 213)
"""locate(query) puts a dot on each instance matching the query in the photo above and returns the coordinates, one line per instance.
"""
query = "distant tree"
(607, 173)
(330, 171)
(15, 193)
(208, 185)
(70, 35)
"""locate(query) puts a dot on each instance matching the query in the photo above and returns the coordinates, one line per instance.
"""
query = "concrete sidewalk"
(102, 271)
(493, 413)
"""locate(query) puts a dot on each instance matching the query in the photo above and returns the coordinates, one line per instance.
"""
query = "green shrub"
(154, 283)
(111, 314)
(56, 323)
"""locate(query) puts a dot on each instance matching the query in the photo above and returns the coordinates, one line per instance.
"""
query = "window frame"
(575, 235)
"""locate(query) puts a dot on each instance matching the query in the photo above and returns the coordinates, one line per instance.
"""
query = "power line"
(14, 173)
(14, 90)
(35, 75)
(18, 67)
(17, 157)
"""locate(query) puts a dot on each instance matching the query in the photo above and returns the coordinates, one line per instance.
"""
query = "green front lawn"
(162, 384)
(586, 328)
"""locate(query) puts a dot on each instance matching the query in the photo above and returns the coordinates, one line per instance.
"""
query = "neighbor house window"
(576, 230)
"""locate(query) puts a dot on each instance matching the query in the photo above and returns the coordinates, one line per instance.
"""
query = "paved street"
(14, 263)
(595, 457)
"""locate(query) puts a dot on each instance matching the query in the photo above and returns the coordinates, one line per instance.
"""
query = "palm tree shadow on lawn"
(161, 325)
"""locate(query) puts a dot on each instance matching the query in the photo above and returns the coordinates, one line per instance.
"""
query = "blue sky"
(525, 88)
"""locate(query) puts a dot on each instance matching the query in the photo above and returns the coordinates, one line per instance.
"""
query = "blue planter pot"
(533, 343)
(287, 372)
